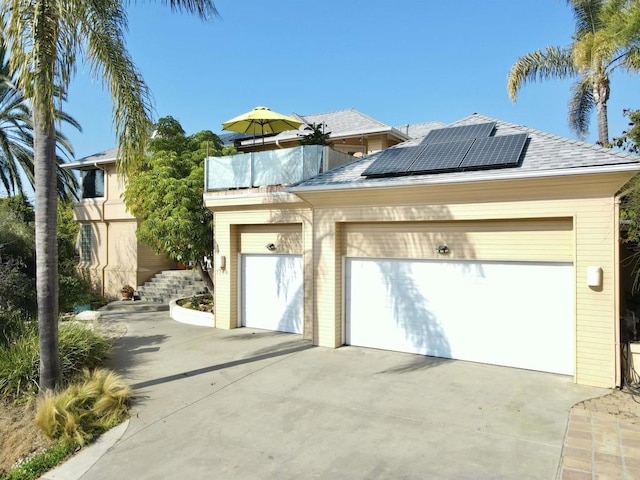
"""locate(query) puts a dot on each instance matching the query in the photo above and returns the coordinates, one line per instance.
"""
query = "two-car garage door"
(503, 294)
(506, 313)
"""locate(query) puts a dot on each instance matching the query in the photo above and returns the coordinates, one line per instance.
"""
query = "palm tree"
(16, 138)
(45, 38)
(605, 38)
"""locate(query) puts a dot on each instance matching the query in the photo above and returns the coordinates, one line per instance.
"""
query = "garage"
(272, 292)
(517, 314)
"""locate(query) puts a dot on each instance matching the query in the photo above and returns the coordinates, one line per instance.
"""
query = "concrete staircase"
(171, 284)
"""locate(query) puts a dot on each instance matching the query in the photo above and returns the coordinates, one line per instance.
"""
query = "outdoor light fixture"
(270, 246)
(442, 249)
(594, 277)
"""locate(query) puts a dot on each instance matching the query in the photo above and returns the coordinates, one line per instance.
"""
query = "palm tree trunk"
(601, 97)
(46, 250)
(603, 125)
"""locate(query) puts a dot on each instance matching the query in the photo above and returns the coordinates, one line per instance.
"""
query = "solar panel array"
(393, 161)
(464, 132)
(492, 152)
(469, 147)
(440, 157)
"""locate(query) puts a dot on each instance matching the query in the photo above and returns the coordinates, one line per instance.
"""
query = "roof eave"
(410, 181)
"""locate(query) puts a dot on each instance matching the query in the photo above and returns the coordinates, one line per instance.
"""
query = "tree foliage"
(316, 136)
(630, 138)
(45, 40)
(166, 193)
(16, 137)
(606, 38)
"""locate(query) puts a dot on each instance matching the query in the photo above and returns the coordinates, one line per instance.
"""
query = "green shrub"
(97, 402)
(41, 462)
(80, 348)
(19, 359)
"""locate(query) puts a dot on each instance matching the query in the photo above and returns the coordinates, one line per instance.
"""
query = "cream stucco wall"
(117, 257)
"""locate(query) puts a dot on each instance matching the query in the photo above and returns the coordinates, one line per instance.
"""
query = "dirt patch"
(19, 437)
(621, 403)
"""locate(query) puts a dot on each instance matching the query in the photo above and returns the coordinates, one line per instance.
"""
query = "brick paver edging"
(600, 445)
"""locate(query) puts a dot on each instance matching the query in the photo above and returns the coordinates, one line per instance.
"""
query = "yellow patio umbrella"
(261, 120)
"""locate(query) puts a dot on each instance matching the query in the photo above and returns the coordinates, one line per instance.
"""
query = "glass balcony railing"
(271, 167)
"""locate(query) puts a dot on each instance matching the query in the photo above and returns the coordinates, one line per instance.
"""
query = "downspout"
(616, 286)
(102, 218)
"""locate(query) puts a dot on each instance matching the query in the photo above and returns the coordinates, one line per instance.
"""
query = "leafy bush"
(20, 359)
(93, 405)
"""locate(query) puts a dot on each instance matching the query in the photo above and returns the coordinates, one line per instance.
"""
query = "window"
(92, 183)
(85, 242)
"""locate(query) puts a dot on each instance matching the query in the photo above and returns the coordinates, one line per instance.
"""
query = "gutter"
(367, 184)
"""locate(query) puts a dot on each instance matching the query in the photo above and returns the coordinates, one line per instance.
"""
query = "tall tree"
(45, 38)
(16, 137)
(605, 38)
(166, 193)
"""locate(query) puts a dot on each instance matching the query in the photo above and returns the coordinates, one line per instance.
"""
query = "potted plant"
(127, 291)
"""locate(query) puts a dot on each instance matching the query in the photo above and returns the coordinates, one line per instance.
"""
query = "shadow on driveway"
(221, 366)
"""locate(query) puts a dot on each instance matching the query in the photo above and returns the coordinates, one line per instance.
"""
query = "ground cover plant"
(92, 402)
(202, 303)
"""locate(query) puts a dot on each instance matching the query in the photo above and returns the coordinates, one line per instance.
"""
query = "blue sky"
(406, 61)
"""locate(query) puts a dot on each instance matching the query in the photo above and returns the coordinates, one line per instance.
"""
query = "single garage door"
(272, 292)
(515, 314)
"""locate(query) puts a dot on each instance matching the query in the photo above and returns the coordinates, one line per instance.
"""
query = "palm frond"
(587, 16)
(553, 62)
(581, 106)
(205, 9)
(110, 61)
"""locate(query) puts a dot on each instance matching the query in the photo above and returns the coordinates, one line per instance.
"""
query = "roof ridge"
(353, 110)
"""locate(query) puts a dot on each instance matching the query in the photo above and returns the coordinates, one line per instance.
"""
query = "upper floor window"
(92, 183)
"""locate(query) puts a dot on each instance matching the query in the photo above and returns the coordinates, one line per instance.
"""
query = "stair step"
(171, 284)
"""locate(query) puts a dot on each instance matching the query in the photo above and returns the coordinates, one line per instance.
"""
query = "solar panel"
(440, 157)
(495, 152)
(393, 161)
(463, 132)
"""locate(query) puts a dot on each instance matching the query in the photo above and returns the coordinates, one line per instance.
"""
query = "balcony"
(270, 168)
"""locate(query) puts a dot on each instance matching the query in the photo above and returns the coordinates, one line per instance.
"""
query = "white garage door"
(504, 313)
(272, 292)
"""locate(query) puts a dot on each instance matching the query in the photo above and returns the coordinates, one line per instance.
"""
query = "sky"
(406, 61)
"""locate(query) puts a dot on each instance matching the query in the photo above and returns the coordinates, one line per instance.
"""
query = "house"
(109, 250)
(352, 132)
(485, 241)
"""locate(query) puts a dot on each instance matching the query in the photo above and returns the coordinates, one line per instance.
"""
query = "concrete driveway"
(250, 404)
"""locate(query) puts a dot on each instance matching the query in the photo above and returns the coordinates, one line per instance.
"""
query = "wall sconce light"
(594, 277)
(270, 246)
(222, 262)
(442, 249)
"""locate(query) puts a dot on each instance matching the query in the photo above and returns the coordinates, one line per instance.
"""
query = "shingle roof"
(341, 123)
(545, 155)
(419, 130)
(108, 156)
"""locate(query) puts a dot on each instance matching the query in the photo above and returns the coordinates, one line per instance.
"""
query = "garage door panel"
(272, 292)
(514, 314)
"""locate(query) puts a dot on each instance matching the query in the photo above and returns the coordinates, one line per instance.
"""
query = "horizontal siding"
(478, 193)
(287, 238)
(525, 240)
